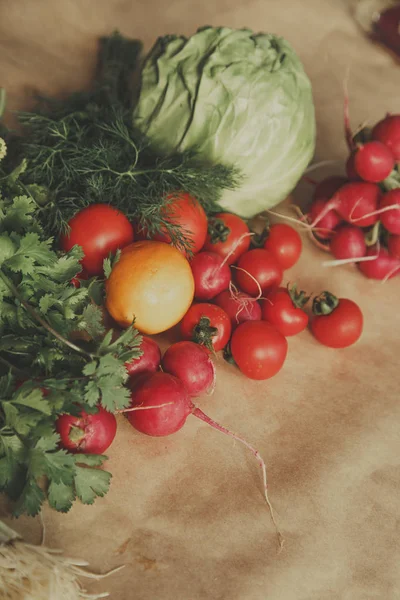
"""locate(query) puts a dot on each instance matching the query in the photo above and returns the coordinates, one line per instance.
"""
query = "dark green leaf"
(90, 483)
(61, 496)
(30, 500)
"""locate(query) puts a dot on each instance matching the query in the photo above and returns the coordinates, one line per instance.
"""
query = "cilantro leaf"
(31, 251)
(30, 500)
(92, 321)
(90, 483)
(61, 496)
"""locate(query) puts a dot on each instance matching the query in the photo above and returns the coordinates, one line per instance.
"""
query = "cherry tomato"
(100, 230)
(227, 234)
(188, 213)
(258, 349)
(260, 265)
(239, 307)
(283, 309)
(338, 322)
(87, 433)
(208, 325)
(285, 244)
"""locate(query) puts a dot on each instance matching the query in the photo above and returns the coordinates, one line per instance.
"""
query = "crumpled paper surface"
(186, 514)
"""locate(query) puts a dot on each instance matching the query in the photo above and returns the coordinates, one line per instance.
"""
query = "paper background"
(186, 514)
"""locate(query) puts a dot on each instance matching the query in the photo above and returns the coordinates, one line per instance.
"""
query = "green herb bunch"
(84, 149)
(55, 357)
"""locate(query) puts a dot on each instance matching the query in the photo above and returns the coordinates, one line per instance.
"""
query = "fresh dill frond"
(84, 150)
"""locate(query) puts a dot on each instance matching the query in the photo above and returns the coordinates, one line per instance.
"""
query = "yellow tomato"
(151, 283)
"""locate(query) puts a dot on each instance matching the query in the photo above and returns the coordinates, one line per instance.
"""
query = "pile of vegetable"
(357, 217)
(122, 217)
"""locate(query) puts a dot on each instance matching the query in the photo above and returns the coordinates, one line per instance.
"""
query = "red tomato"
(208, 325)
(282, 310)
(189, 214)
(260, 265)
(338, 322)
(285, 244)
(227, 234)
(100, 230)
(88, 434)
(258, 349)
(239, 307)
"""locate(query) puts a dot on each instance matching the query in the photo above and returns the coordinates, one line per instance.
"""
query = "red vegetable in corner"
(192, 365)
(87, 433)
(239, 307)
(258, 349)
(258, 271)
(283, 308)
(337, 322)
(149, 362)
(228, 236)
(207, 325)
(285, 244)
(211, 275)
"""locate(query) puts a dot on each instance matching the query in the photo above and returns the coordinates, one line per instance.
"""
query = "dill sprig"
(83, 149)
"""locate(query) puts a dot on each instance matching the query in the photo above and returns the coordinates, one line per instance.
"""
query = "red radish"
(283, 308)
(356, 202)
(192, 364)
(208, 325)
(211, 275)
(258, 271)
(383, 267)
(285, 244)
(87, 433)
(322, 194)
(239, 307)
(394, 246)
(165, 388)
(327, 223)
(387, 131)
(228, 236)
(337, 322)
(351, 168)
(327, 187)
(373, 161)
(258, 349)
(148, 362)
(390, 219)
(348, 242)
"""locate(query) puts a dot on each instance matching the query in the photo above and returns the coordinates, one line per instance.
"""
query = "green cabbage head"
(236, 98)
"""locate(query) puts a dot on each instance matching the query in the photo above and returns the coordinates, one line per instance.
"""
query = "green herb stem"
(39, 319)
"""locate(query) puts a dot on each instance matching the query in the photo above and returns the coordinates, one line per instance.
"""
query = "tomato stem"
(203, 333)
(217, 230)
(299, 298)
(324, 304)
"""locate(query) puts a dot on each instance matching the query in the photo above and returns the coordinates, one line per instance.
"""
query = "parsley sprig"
(53, 341)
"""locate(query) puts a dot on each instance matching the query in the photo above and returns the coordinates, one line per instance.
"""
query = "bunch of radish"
(357, 218)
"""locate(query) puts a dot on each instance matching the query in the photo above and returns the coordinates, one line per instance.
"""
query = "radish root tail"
(203, 417)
